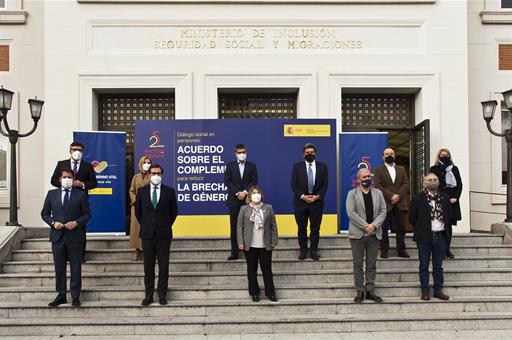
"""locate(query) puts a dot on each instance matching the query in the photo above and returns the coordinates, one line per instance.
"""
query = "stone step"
(269, 324)
(121, 242)
(234, 292)
(200, 279)
(222, 254)
(123, 265)
(108, 309)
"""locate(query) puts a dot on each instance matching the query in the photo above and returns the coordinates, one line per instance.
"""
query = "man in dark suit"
(66, 211)
(84, 175)
(393, 181)
(156, 210)
(309, 185)
(239, 177)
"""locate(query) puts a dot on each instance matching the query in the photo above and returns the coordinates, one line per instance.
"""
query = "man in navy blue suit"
(156, 210)
(66, 211)
(239, 177)
(309, 185)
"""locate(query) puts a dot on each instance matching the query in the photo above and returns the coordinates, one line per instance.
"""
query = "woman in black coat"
(451, 184)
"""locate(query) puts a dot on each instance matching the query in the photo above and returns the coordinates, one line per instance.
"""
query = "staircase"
(208, 295)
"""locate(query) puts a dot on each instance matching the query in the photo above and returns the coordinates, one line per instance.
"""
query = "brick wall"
(505, 57)
(4, 58)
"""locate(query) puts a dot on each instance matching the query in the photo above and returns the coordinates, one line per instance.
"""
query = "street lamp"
(36, 107)
(488, 109)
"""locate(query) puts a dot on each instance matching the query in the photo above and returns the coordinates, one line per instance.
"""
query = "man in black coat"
(239, 177)
(83, 172)
(429, 214)
(66, 211)
(309, 184)
(156, 210)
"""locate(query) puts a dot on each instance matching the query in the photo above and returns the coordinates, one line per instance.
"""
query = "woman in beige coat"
(139, 180)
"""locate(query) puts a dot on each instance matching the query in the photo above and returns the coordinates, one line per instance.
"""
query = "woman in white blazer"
(257, 237)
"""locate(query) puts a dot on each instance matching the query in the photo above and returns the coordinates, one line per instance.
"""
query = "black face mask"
(389, 159)
(446, 160)
(366, 182)
(309, 157)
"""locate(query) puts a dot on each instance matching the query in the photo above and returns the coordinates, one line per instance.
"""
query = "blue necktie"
(310, 178)
(65, 203)
(75, 167)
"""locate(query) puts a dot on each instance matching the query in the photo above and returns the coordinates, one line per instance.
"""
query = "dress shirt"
(71, 161)
(392, 171)
(151, 188)
(257, 234)
(436, 224)
(64, 194)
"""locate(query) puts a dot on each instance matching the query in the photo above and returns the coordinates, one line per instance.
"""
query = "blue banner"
(358, 150)
(106, 152)
(194, 154)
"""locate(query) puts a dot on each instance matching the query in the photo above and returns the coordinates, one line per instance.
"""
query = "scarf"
(257, 215)
(436, 211)
(450, 180)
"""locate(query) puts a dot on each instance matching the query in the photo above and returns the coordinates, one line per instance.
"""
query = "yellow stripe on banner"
(307, 130)
(100, 191)
(218, 225)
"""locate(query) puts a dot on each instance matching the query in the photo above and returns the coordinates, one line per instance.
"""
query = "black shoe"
(162, 301)
(404, 254)
(373, 296)
(255, 298)
(59, 300)
(232, 257)
(315, 256)
(147, 301)
(76, 302)
(273, 298)
(302, 256)
(359, 298)
(449, 255)
(383, 254)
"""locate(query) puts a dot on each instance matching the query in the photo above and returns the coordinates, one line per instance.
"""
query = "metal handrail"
(482, 211)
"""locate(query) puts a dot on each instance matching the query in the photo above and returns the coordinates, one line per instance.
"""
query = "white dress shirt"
(63, 193)
(313, 168)
(392, 171)
(157, 192)
(72, 161)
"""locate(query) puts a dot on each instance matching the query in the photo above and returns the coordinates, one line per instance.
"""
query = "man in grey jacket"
(366, 210)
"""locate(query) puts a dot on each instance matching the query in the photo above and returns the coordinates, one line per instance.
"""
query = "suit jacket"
(235, 183)
(384, 183)
(357, 213)
(84, 174)
(78, 210)
(299, 182)
(440, 172)
(156, 222)
(419, 216)
(245, 227)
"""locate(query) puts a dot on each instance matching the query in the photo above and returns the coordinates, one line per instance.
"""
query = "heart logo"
(99, 166)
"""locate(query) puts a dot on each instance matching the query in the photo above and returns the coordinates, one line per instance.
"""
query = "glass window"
(2, 3)
(506, 3)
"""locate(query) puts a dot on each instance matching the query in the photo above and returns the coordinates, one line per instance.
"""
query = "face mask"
(66, 183)
(146, 166)
(76, 155)
(366, 182)
(256, 198)
(309, 157)
(156, 179)
(446, 160)
(390, 159)
(432, 186)
(241, 156)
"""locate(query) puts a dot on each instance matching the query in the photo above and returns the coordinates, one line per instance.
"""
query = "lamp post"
(488, 108)
(36, 107)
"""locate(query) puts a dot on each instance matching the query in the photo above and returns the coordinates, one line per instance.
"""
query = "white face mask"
(256, 198)
(146, 166)
(66, 183)
(241, 156)
(156, 180)
(76, 155)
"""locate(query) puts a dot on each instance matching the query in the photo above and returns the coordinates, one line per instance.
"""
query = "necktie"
(75, 167)
(154, 198)
(310, 178)
(65, 203)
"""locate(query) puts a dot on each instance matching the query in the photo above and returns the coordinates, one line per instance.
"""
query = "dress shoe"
(76, 302)
(404, 254)
(255, 298)
(449, 255)
(425, 296)
(59, 300)
(147, 301)
(359, 298)
(441, 296)
(383, 254)
(373, 296)
(273, 298)
(302, 256)
(315, 256)
(162, 301)
(232, 257)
